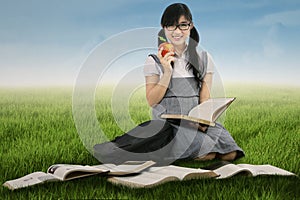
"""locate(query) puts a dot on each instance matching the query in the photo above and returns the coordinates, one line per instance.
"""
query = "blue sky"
(46, 42)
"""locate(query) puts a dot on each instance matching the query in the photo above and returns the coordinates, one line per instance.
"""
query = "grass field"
(37, 130)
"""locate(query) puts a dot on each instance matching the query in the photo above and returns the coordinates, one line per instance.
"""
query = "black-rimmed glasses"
(182, 26)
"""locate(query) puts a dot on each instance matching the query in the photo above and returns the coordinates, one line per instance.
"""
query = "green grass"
(37, 130)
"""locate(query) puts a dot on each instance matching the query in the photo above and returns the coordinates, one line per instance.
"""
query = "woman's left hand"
(201, 127)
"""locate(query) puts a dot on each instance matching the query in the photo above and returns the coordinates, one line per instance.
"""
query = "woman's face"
(178, 33)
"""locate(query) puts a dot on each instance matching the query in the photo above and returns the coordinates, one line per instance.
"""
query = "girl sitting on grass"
(184, 81)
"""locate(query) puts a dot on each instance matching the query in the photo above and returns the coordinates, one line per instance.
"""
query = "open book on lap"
(205, 113)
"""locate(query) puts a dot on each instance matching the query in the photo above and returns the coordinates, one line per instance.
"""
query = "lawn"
(37, 130)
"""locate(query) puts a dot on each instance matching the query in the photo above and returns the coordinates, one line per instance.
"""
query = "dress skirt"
(181, 96)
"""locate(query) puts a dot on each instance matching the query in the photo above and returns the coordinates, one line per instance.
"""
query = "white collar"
(184, 53)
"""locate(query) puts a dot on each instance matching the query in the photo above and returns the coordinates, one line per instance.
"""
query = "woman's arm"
(206, 87)
(156, 86)
(207, 80)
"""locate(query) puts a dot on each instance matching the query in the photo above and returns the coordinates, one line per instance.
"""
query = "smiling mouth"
(177, 37)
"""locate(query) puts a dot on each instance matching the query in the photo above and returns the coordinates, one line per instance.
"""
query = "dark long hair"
(170, 17)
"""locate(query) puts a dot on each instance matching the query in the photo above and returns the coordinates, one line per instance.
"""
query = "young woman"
(184, 80)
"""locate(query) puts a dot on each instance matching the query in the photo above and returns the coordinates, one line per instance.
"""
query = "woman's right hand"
(166, 60)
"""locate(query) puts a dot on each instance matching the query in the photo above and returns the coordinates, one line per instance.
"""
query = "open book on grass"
(226, 169)
(154, 176)
(64, 172)
(158, 175)
(205, 113)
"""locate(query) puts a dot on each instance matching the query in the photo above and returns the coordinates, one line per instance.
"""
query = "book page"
(211, 109)
(230, 170)
(29, 180)
(252, 170)
(67, 172)
(145, 179)
(182, 173)
(266, 170)
(132, 167)
(105, 167)
(158, 175)
(128, 167)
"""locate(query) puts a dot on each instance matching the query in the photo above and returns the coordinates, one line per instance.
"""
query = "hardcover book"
(205, 113)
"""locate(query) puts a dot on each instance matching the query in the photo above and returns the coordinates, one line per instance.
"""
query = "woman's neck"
(179, 49)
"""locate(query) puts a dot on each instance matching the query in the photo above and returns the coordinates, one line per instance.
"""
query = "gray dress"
(181, 96)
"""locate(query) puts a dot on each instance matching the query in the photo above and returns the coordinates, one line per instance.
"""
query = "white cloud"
(287, 18)
(207, 6)
(271, 45)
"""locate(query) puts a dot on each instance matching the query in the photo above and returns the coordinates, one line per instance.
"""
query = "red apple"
(167, 47)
